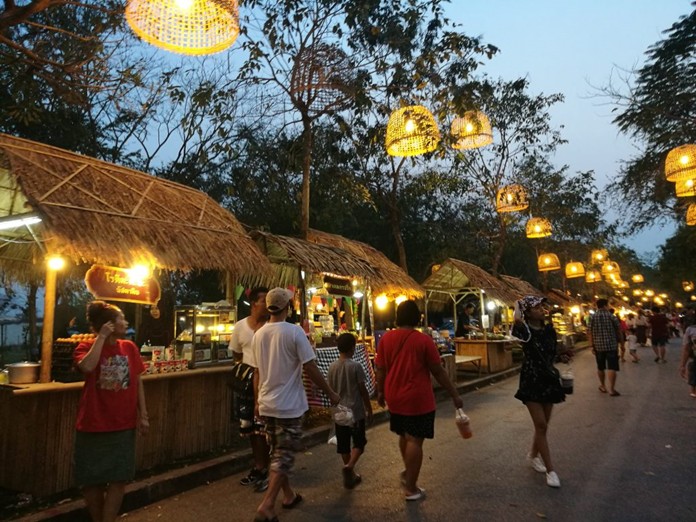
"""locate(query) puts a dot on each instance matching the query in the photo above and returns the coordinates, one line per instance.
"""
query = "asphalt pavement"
(627, 458)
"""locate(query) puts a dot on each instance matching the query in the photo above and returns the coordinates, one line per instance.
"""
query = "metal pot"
(23, 372)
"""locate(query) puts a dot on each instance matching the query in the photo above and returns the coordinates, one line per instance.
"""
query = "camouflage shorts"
(284, 438)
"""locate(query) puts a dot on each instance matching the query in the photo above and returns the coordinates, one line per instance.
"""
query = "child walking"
(348, 379)
(632, 341)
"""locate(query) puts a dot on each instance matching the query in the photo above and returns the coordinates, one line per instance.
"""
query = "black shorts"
(607, 360)
(419, 426)
(344, 434)
(658, 340)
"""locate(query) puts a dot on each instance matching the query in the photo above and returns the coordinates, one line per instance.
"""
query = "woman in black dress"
(540, 386)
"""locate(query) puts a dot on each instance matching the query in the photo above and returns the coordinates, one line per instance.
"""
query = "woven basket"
(680, 163)
(411, 131)
(538, 227)
(471, 131)
(512, 198)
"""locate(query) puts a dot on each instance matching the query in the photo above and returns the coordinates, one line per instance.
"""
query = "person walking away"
(112, 406)
(623, 328)
(659, 326)
(603, 335)
(251, 426)
(632, 341)
(405, 360)
(347, 377)
(540, 387)
(687, 364)
(642, 328)
(280, 352)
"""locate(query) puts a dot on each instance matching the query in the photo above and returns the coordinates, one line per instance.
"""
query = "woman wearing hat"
(540, 386)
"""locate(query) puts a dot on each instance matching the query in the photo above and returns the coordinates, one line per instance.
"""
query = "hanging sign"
(338, 285)
(120, 284)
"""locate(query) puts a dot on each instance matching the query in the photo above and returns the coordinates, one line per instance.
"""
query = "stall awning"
(389, 278)
(520, 287)
(97, 212)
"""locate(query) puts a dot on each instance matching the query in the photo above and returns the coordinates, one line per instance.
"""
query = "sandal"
(614, 394)
(416, 496)
(602, 389)
(295, 501)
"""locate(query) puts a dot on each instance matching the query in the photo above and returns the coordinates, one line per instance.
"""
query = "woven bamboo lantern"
(623, 284)
(190, 27)
(610, 267)
(548, 262)
(637, 292)
(593, 276)
(598, 256)
(637, 278)
(411, 131)
(685, 188)
(511, 199)
(574, 269)
(681, 163)
(688, 286)
(538, 227)
(649, 293)
(691, 214)
(471, 131)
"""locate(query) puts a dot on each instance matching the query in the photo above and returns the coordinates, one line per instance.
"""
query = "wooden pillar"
(49, 319)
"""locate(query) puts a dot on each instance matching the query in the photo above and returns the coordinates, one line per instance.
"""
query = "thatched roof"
(389, 279)
(558, 297)
(289, 255)
(520, 287)
(96, 212)
(454, 275)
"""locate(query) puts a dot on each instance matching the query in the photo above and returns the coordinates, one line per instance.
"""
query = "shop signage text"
(118, 284)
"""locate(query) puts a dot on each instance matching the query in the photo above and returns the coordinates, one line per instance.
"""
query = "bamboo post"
(49, 319)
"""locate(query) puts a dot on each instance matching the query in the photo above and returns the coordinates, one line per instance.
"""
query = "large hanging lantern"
(688, 286)
(681, 163)
(191, 27)
(511, 199)
(593, 276)
(637, 278)
(548, 262)
(691, 214)
(598, 256)
(574, 269)
(471, 131)
(685, 188)
(538, 227)
(610, 267)
(411, 131)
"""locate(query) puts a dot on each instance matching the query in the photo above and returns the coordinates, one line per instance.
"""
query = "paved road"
(628, 458)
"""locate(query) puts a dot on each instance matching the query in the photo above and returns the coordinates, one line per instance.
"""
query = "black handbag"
(242, 377)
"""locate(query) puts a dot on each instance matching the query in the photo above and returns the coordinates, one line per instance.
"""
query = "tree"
(658, 110)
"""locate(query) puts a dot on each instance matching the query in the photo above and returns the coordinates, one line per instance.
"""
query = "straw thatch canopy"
(455, 277)
(96, 212)
(558, 297)
(520, 287)
(389, 279)
(289, 255)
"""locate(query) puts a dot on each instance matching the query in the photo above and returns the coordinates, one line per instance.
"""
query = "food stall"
(451, 284)
(89, 211)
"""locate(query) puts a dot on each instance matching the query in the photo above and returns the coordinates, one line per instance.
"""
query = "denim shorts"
(607, 360)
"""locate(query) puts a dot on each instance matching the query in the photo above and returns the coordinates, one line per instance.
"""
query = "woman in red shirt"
(405, 359)
(111, 407)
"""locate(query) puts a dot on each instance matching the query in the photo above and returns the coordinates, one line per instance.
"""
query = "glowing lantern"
(598, 256)
(593, 276)
(680, 163)
(610, 267)
(511, 199)
(649, 293)
(538, 227)
(574, 269)
(381, 301)
(688, 286)
(548, 262)
(691, 215)
(411, 131)
(190, 27)
(471, 131)
(637, 278)
(685, 188)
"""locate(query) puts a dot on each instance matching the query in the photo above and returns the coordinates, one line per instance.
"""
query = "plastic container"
(463, 424)
(567, 381)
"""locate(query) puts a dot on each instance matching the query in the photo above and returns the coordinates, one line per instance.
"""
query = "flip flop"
(416, 496)
(614, 394)
(295, 501)
(602, 389)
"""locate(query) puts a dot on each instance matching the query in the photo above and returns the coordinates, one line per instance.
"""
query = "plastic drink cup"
(463, 424)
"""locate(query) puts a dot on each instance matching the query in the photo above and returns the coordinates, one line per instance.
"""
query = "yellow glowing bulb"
(575, 310)
(56, 263)
(547, 260)
(469, 128)
(684, 160)
(220, 328)
(400, 299)
(381, 301)
(184, 5)
(410, 126)
(199, 328)
(573, 269)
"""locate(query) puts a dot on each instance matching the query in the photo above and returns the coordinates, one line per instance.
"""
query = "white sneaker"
(537, 463)
(552, 480)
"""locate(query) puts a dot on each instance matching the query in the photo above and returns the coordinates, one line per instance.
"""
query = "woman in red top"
(111, 407)
(405, 359)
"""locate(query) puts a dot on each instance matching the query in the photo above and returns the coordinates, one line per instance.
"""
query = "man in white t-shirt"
(251, 426)
(280, 352)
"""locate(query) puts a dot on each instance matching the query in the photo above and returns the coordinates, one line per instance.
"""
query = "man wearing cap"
(280, 352)
(603, 335)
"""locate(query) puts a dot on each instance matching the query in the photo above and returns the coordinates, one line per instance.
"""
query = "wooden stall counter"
(190, 414)
(496, 356)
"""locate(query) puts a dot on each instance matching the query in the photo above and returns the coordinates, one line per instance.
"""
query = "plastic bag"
(463, 423)
(343, 416)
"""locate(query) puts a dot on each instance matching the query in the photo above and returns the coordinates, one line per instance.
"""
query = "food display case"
(203, 333)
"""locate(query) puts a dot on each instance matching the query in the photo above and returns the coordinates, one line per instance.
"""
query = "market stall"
(57, 203)
(451, 284)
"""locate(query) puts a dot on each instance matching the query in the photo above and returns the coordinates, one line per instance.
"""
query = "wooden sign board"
(117, 284)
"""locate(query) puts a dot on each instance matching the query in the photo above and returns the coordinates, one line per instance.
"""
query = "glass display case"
(203, 333)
